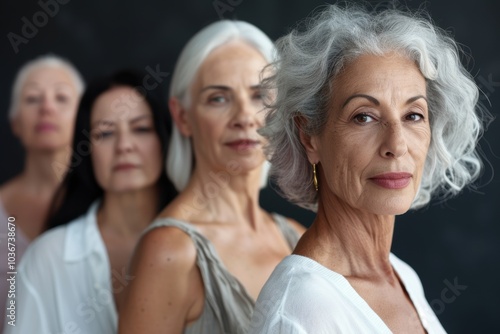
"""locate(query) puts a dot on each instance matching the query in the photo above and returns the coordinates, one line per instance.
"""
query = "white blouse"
(302, 296)
(63, 282)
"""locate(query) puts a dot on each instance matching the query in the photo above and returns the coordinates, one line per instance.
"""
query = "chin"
(250, 162)
(50, 147)
(124, 189)
(392, 206)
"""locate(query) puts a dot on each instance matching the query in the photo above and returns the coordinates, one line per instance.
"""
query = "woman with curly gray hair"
(374, 115)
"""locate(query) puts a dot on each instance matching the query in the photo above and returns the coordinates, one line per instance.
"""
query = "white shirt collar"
(83, 236)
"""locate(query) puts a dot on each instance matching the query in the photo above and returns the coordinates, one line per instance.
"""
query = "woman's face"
(126, 150)
(374, 146)
(227, 109)
(46, 111)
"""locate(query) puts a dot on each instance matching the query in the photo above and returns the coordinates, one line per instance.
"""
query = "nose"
(124, 142)
(394, 144)
(47, 104)
(245, 114)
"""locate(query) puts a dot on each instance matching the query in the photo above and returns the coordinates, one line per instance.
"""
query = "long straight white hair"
(180, 156)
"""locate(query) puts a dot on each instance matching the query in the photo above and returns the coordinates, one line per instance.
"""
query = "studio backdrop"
(453, 246)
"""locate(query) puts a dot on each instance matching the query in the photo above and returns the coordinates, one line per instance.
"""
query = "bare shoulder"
(182, 207)
(166, 247)
(166, 290)
(8, 188)
(296, 225)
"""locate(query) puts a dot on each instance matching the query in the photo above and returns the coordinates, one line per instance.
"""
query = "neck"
(45, 170)
(128, 213)
(351, 242)
(225, 198)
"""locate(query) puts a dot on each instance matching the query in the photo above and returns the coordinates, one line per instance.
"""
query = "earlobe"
(309, 142)
(178, 114)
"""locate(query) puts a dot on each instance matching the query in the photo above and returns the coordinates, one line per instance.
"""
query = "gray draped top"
(228, 307)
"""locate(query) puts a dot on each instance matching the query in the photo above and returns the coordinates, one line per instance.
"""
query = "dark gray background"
(452, 243)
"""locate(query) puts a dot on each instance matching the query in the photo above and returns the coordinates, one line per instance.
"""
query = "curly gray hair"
(309, 59)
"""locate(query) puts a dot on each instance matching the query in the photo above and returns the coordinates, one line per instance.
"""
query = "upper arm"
(165, 284)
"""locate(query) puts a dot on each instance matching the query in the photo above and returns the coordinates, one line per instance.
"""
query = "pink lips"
(124, 167)
(45, 127)
(243, 144)
(392, 180)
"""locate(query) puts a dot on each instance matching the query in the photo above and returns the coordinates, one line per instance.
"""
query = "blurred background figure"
(202, 264)
(72, 276)
(42, 112)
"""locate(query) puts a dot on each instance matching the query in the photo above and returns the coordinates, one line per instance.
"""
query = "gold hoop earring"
(315, 178)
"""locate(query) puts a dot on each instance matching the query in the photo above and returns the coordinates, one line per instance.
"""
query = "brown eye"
(414, 117)
(218, 99)
(363, 119)
(259, 95)
(62, 98)
(32, 99)
(144, 129)
(102, 135)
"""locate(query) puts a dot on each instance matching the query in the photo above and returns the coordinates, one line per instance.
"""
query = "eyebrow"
(226, 88)
(377, 103)
(140, 118)
(38, 85)
(110, 123)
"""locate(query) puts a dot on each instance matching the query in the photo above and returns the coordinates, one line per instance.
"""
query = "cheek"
(419, 143)
(26, 119)
(67, 117)
(261, 117)
(345, 173)
(153, 156)
(25, 127)
(207, 130)
(101, 162)
(344, 161)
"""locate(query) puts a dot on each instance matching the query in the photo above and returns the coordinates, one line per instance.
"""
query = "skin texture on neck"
(228, 199)
(34, 188)
(352, 243)
(46, 169)
(128, 213)
(122, 218)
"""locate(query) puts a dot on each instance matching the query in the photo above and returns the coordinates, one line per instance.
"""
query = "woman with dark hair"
(72, 277)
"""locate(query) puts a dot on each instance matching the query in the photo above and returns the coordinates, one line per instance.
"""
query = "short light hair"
(180, 156)
(49, 60)
(309, 60)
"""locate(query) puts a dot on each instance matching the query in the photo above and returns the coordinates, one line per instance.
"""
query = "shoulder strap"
(227, 299)
(165, 222)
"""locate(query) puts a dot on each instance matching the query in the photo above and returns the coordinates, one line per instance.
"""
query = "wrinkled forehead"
(121, 103)
(233, 62)
(49, 77)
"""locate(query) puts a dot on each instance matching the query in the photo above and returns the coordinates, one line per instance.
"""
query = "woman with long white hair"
(203, 262)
